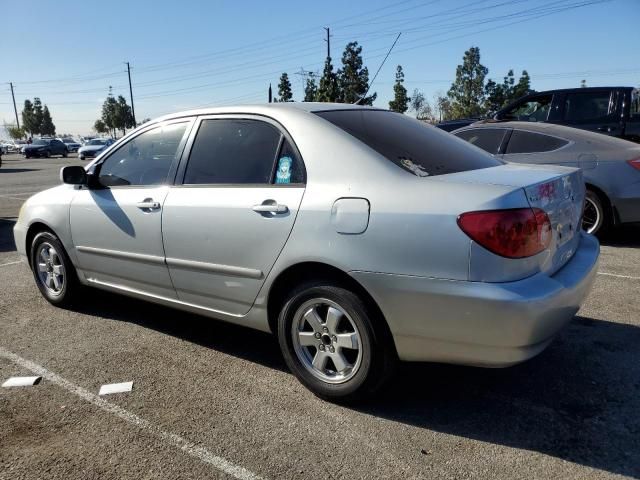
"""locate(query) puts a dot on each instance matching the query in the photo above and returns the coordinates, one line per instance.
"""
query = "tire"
(595, 219)
(47, 154)
(81, 157)
(321, 353)
(65, 154)
(59, 282)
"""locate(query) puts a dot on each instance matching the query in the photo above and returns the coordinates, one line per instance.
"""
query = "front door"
(116, 224)
(225, 226)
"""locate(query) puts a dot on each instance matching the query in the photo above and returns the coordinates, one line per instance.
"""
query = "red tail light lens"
(513, 233)
(635, 163)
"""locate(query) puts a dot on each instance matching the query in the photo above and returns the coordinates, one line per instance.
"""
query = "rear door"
(228, 218)
(596, 110)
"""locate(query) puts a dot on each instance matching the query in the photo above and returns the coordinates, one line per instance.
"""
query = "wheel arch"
(307, 271)
(34, 229)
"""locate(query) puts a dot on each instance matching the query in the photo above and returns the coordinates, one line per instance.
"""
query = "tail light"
(513, 233)
(635, 163)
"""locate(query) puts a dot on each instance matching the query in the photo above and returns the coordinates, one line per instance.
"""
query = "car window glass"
(145, 159)
(289, 168)
(634, 112)
(530, 142)
(233, 151)
(417, 148)
(488, 139)
(587, 106)
(533, 110)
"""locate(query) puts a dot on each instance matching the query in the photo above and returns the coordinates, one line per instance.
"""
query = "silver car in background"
(610, 166)
(94, 147)
(359, 236)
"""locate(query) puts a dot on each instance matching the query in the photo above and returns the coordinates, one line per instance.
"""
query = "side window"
(533, 110)
(588, 106)
(488, 139)
(145, 159)
(289, 168)
(529, 142)
(233, 151)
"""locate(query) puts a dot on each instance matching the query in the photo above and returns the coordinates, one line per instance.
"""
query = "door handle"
(148, 204)
(270, 208)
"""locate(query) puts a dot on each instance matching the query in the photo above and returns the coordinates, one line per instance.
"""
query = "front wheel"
(64, 154)
(330, 342)
(54, 273)
(47, 154)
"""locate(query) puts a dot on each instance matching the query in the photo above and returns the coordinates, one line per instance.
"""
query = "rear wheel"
(329, 341)
(53, 271)
(594, 218)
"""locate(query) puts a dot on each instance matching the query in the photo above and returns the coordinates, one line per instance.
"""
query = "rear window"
(412, 145)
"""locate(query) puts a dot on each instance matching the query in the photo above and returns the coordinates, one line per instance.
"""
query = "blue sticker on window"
(283, 175)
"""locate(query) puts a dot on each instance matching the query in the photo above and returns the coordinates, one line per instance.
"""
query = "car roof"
(265, 108)
(570, 133)
(577, 89)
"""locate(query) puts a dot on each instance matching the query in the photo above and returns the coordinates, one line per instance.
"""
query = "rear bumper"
(480, 323)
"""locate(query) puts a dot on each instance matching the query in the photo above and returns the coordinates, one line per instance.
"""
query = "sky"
(191, 54)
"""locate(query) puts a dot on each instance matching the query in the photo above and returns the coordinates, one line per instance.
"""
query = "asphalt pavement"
(212, 400)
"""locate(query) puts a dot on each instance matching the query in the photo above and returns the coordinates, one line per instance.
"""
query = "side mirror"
(73, 175)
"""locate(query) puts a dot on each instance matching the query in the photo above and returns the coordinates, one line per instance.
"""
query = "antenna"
(378, 71)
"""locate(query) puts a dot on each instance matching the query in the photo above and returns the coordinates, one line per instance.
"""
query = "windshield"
(41, 142)
(68, 140)
(97, 141)
(414, 146)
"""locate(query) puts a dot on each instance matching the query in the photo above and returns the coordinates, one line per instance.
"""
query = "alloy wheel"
(592, 216)
(326, 341)
(51, 271)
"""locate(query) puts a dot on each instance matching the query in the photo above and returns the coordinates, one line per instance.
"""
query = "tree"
(443, 107)
(420, 106)
(353, 78)
(400, 102)
(109, 113)
(498, 95)
(100, 127)
(284, 89)
(28, 118)
(38, 116)
(328, 90)
(47, 127)
(14, 132)
(123, 116)
(467, 92)
(310, 89)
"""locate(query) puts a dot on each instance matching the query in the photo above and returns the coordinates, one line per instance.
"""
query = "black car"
(45, 147)
(613, 111)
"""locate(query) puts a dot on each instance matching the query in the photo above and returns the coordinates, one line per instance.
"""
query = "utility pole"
(270, 94)
(133, 110)
(328, 40)
(14, 104)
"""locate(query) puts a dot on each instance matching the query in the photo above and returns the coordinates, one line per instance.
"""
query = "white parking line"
(10, 263)
(177, 441)
(618, 276)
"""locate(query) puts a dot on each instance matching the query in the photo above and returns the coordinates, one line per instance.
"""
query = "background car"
(356, 234)
(93, 147)
(611, 166)
(45, 147)
(72, 145)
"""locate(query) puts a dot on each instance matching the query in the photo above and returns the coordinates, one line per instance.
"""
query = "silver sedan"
(359, 236)
(611, 166)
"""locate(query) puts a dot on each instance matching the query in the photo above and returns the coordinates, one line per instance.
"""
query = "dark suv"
(610, 110)
(45, 147)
